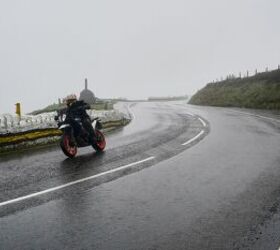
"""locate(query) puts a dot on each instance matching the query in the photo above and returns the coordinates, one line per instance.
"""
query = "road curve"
(208, 180)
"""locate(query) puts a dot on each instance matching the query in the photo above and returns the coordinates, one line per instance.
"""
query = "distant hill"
(49, 108)
(98, 105)
(260, 91)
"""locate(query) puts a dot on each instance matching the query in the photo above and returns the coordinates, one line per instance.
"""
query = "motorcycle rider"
(77, 109)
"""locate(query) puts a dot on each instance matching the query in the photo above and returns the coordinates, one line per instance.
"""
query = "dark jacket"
(78, 109)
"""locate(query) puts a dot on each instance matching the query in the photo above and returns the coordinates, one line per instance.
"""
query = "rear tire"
(68, 150)
(100, 144)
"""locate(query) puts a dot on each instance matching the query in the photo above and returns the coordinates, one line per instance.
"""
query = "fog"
(128, 48)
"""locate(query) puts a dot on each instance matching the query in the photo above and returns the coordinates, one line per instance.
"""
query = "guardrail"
(42, 129)
(13, 124)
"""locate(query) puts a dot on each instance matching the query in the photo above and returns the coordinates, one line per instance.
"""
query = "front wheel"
(100, 141)
(67, 148)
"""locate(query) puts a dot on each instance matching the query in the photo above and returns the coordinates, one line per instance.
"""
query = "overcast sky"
(129, 48)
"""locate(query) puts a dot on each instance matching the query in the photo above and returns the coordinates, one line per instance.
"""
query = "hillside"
(98, 105)
(259, 91)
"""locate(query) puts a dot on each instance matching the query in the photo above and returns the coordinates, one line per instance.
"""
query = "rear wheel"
(100, 141)
(66, 147)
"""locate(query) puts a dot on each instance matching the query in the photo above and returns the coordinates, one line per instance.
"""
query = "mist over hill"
(260, 91)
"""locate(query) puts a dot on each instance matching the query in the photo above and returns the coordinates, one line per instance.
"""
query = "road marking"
(203, 122)
(190, 114)
(131, 113)
(193, 139)
(74, 182)
(258, 116)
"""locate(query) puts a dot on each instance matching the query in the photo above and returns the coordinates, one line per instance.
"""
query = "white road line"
(259, 116)
(203, 122)
(74, 182)
(190, 114)
(193, 139)
(131, 113)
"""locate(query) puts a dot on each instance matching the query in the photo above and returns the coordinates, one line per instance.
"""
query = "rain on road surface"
(177, 177)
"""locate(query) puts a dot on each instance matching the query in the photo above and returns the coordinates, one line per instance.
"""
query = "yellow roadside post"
(18, 111)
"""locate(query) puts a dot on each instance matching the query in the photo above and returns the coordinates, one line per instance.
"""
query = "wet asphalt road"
(220, 190)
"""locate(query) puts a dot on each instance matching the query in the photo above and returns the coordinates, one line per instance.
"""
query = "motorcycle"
(74, 137)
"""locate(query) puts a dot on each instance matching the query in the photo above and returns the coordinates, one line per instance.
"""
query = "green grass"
(54, 107)
(260, 91)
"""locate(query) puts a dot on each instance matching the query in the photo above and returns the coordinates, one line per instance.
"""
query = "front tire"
(100, 144)
(68, 150)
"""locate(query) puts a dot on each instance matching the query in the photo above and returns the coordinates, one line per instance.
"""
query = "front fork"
(70, 131)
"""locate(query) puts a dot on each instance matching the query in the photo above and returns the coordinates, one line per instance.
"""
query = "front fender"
(96, 124)
(64, 126)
